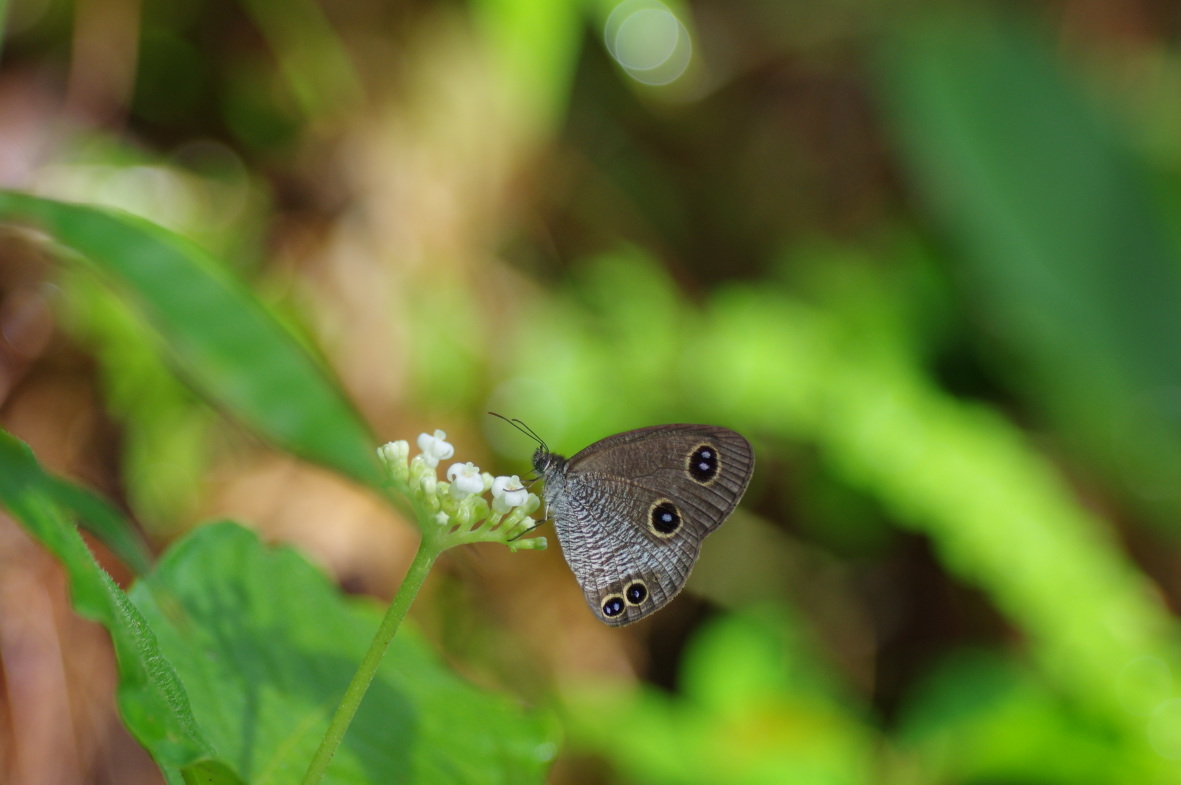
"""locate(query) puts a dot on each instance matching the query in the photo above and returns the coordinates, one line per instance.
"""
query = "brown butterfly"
(631, 510)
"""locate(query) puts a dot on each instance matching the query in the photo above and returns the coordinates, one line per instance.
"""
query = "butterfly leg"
(531, 528)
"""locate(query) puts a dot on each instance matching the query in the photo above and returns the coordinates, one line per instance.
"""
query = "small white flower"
(428, 483)
(465, 479)
(442, 518)
(393, 453)
(393, 459)
(507, 492)
(434, 448)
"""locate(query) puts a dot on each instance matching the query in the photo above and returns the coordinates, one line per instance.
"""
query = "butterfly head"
(547, 463)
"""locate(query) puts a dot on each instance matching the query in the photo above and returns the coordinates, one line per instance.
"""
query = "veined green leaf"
(265, 645)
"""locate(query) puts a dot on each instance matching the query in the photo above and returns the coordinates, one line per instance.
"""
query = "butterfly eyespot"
(613, 606)
(703, 463)
(664, 518)
(636, 593)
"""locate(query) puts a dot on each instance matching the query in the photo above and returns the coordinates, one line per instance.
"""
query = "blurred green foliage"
(753, 707)
(927, 262)
(1066, 252)
(841, 378)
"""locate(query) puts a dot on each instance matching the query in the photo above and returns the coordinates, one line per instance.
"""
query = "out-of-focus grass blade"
(534, 45)
(152, 700)
(1066, 255)
(221, 338)
(310, 54)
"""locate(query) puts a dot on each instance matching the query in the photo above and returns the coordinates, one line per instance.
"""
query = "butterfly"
(632, 510)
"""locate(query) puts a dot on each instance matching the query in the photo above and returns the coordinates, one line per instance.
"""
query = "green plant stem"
(428, 550)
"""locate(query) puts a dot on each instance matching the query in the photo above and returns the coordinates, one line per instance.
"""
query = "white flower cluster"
(457, 507)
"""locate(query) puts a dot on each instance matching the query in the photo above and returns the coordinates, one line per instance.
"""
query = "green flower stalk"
(449, 512)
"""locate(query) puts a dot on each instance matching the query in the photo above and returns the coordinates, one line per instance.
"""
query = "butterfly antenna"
(523, 428)
(532, 433)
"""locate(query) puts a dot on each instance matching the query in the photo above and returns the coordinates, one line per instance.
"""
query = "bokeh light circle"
(648, 41)
(1164, 729)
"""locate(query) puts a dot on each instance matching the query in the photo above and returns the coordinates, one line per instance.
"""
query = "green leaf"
(218, 334)
(92, 512)
(265, 645)
(209, 772)
(100, 518)
(152, 700)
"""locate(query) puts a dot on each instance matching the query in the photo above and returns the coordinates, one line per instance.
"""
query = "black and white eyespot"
(613, 605)
(636, 592)
(664, 519)
(704, 463)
